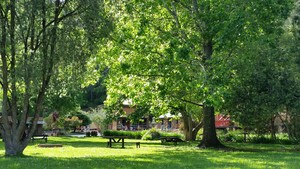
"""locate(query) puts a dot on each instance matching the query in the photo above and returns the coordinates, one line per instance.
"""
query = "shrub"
(151, 134)
(232, 136)
(165, 134)
(94, 133)
(263, 139)
(154, 134)
(88, 134)
(129, 134)
(266, 140)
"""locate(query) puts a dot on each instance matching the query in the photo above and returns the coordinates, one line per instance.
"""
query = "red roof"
(222, 121)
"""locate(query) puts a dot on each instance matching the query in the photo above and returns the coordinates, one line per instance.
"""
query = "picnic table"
(173, 139)
(115, 139)
(40, 137)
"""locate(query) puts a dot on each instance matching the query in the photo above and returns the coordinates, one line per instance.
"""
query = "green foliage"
(98, 117)
(47, 47)
(159, 56)
(53, 124)
(129, 134)
(290, 42)
(72, 122)
(164, 134)
(94, 95)
(262, 79)
(238, 137)
(83, 117)
(154, 134)
(231, 136)
(151, 134)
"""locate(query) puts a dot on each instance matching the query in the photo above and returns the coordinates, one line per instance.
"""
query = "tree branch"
(59, 19)
(175, 17)
(191, 102)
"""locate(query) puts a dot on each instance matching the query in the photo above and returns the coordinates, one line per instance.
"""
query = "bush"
(88, 134)
(154, 134)
(151, 134)
(232, 136)
(129, 134)
(165, 134)
(238, 136)
(267, 140)
(94, 133)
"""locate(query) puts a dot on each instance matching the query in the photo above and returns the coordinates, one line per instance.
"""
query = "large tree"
(43, 43)
(264, 83)
(167, 52)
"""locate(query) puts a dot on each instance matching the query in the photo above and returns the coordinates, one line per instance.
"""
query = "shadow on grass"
(100, 142)
(161, 159)
(164, 156)
(244, 147)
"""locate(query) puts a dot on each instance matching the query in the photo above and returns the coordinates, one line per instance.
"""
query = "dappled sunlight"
(92, 153)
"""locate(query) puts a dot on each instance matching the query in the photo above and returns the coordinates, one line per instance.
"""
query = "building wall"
(168, 124)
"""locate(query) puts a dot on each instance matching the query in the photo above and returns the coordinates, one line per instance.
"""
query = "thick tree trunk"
(14, 146)
(210, 138)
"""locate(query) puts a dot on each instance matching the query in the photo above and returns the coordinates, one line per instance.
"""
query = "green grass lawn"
(88, 153)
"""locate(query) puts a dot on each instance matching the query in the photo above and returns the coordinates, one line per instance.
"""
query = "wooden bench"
(173, 139)
(40, 137)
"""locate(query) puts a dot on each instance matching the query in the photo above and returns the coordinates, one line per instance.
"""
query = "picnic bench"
(115, 139)
(173, 139)
(40, 137)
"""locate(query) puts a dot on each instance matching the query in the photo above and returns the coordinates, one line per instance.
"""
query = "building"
(169, 122)
(224, 122)
(123, 123)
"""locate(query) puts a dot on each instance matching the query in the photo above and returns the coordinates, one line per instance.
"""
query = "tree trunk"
(273, 128)
(191, 128)
(196, 129)
(13, 121)
(15, 147)
(187, 129)
(210, 138)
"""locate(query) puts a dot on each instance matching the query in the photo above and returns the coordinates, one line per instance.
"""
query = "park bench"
(40, 137)
(173, 139)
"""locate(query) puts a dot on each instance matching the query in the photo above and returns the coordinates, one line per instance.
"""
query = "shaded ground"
(90, 153)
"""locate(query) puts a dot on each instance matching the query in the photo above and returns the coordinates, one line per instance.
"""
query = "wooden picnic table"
(115, 139)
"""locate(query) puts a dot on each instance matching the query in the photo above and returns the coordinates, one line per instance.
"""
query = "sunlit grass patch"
(90, 153)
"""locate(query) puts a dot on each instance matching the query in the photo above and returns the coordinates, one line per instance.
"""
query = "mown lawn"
(90, 153)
